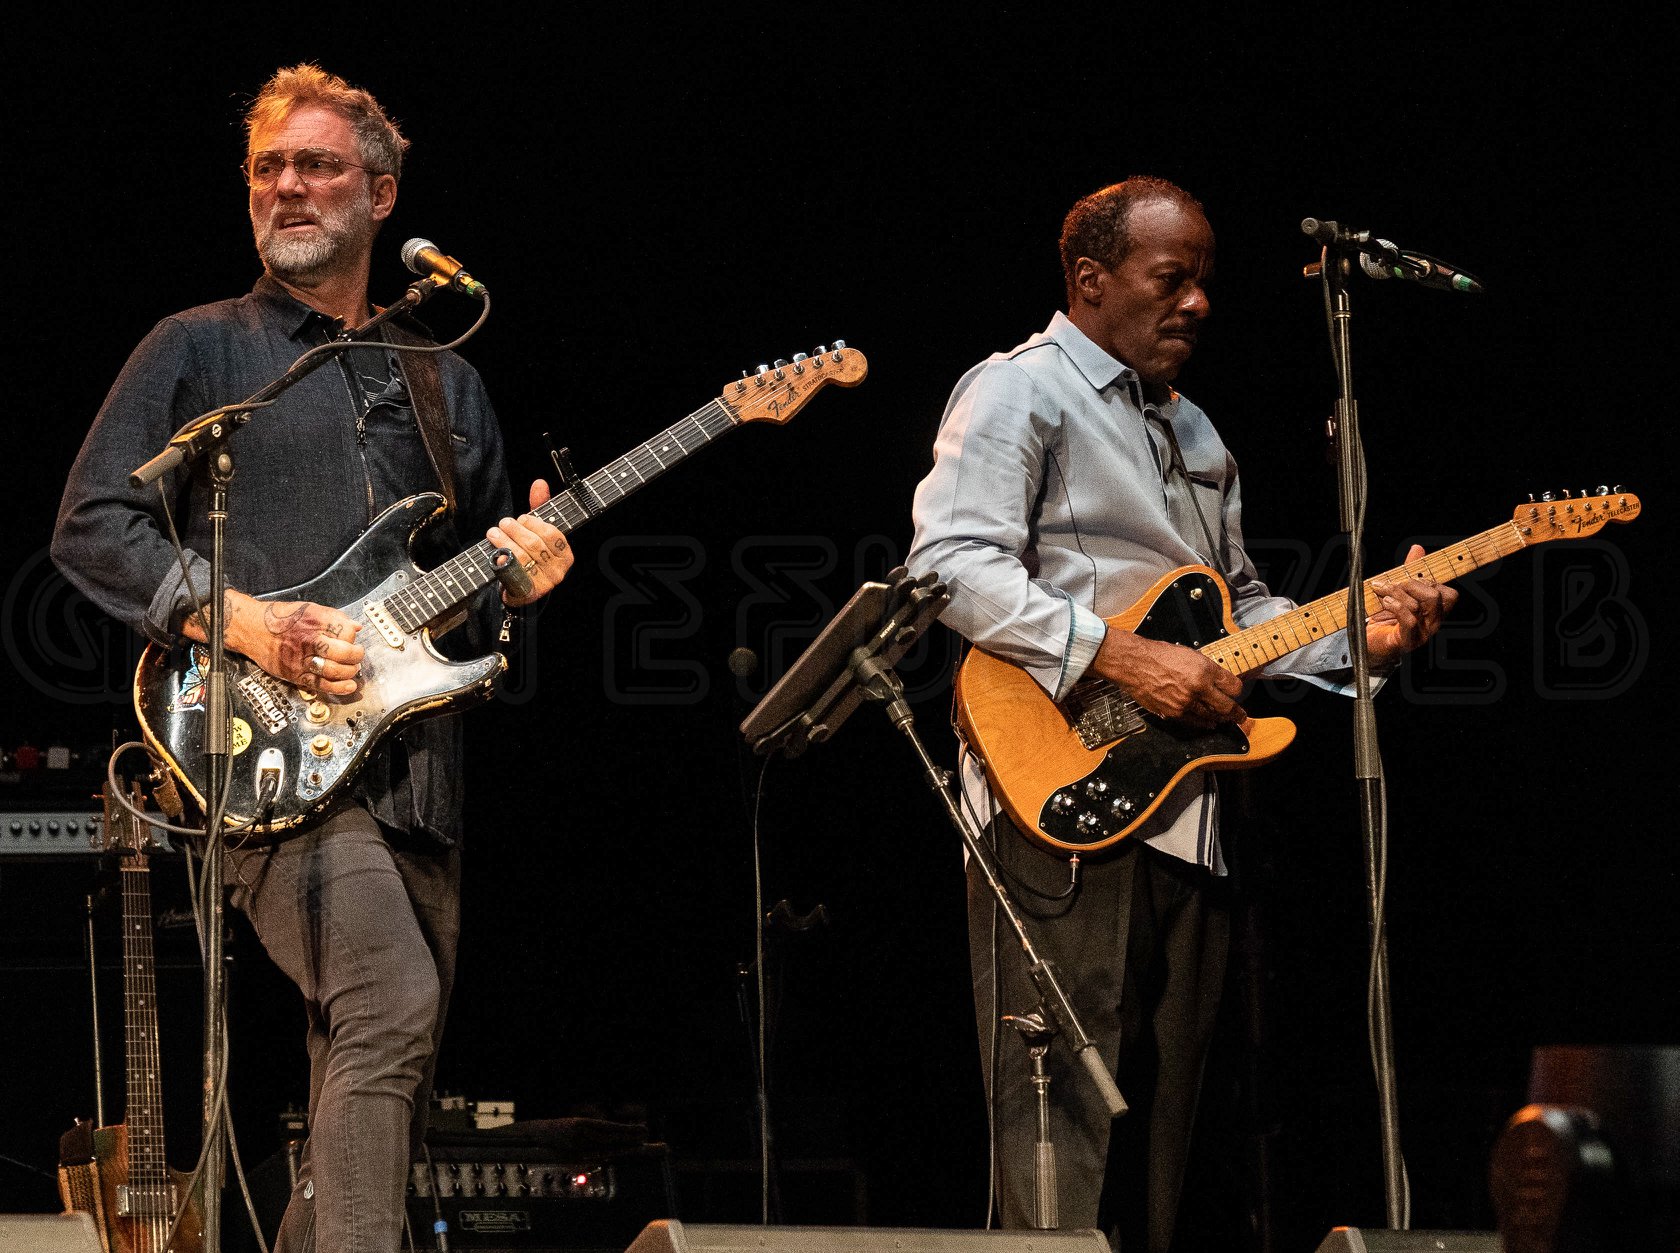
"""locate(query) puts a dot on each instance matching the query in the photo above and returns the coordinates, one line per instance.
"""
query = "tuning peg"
(780, 362)
(820, 350)
(1603, 490)
(1547, 496)
(760, 373)
(1566, 493)
(1531, 498)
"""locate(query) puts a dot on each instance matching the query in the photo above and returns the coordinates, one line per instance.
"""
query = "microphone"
(1415, 267)
(424, 257)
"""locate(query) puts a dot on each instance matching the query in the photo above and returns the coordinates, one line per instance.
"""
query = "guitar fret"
(146, 1166)
(1253, 647)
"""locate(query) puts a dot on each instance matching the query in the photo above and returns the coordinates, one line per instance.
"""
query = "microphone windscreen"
(411, 250)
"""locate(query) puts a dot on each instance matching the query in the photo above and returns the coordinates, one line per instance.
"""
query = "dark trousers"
(1140, 949)
(368, 932)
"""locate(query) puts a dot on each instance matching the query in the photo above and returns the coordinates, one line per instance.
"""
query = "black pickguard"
(1136, 769)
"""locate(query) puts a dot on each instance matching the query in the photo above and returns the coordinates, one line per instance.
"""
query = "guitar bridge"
(265, 698)
(1099, 714)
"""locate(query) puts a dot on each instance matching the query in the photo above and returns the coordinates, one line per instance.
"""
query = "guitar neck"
(144, 1117)
(1254, 647)
(441, 590)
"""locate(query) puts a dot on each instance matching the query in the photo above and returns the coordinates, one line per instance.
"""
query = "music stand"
(852, 661)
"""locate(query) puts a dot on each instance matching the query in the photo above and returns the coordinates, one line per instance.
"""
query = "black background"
(658, 201)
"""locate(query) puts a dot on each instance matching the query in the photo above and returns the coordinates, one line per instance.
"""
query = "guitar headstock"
(125, 832)
(775, 393)
(1558, 515)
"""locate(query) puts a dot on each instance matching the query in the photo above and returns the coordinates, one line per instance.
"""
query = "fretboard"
(1253, 647)
(144, 1119)
(441, 590)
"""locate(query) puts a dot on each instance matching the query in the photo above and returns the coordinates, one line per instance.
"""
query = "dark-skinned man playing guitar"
(361, 908)
(1069, 477)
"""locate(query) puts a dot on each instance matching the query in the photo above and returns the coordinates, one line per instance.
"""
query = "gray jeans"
(367, 931)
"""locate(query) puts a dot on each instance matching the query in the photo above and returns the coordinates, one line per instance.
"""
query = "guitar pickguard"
(1139, 768)
(1131, 778)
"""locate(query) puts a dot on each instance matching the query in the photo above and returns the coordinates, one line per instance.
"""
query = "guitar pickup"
(379, 618)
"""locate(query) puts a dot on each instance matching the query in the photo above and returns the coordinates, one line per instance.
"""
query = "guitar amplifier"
(507, 1193)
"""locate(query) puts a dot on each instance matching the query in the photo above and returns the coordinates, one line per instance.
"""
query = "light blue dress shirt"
(1051, 506)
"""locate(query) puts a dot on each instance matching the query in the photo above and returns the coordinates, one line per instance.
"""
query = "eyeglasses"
(313, 165)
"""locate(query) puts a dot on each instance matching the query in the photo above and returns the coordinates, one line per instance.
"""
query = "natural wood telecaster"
(1084, 772)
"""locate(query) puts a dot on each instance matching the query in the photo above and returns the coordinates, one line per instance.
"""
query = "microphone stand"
(208, 437)
(1335, 267)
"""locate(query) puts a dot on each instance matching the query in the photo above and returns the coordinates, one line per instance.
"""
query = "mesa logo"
(496, 1220)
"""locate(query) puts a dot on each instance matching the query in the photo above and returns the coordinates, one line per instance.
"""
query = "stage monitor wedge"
(677, 1237)
(1382, 1240)
(48, 1233)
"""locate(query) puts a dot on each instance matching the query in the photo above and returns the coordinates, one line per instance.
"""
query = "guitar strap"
(1216, 553)
(425, 392)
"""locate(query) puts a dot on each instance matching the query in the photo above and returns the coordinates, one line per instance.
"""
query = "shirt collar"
(299, 321)
(1102, 371)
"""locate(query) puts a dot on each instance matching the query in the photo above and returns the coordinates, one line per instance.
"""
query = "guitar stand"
(852, 661)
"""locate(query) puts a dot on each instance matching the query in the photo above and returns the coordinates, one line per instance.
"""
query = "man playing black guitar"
(1068, 479)
(359, 909)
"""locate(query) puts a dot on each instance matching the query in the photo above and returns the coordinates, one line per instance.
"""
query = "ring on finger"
(318, 664)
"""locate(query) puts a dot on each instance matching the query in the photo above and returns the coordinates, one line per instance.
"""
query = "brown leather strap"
(425, 393)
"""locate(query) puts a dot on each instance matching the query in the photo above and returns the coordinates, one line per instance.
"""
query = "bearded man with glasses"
(361, 910)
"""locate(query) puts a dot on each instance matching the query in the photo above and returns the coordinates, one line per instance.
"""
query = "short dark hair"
(1096, 226)
(304, 86)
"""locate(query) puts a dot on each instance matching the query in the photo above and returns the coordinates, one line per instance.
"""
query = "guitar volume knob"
(1089, 822)
(321, 746)
(1063, 802)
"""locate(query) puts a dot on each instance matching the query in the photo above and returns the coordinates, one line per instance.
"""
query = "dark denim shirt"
(311, 471)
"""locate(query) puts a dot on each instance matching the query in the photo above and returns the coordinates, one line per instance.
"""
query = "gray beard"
(303, 259)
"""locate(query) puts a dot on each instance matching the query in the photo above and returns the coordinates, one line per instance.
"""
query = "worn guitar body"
(1080, 774)
(318, 744)
(130, 1219)
(1084, 772)
(307, 750)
